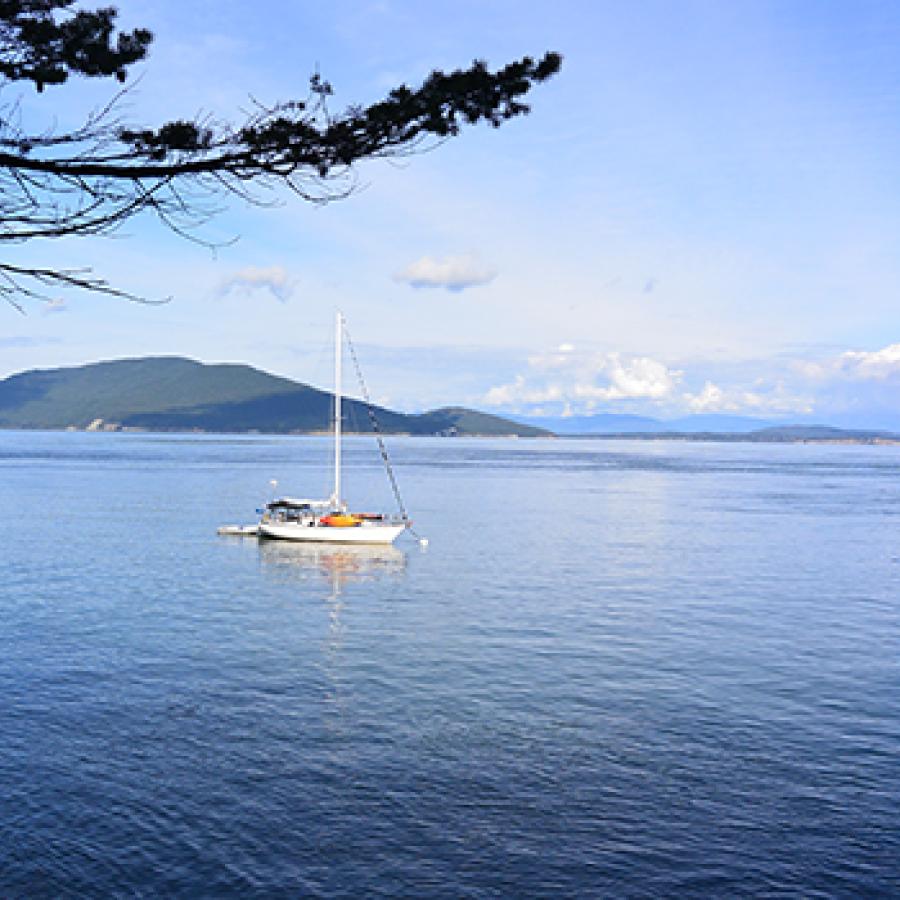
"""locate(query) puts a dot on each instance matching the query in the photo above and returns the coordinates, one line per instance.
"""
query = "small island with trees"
(173, 394)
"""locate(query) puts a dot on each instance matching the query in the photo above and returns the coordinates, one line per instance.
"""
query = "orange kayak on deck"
(339, 521)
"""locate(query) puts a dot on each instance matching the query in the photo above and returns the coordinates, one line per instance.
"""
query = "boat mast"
(338, 340)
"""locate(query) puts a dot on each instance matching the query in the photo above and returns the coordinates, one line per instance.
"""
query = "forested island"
(174, 394)
(177, 394)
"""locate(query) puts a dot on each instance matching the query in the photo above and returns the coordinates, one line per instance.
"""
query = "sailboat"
(330, 521)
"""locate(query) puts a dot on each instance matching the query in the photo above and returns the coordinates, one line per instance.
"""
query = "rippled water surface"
(643, 669)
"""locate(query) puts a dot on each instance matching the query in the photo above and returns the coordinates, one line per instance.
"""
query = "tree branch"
(90, 180)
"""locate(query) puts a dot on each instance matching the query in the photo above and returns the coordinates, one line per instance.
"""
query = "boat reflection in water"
(331, 568)
(333, 564)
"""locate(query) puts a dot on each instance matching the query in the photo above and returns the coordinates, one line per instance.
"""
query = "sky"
(701, 214)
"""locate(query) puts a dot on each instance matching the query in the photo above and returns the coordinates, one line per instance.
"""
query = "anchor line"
(376, 428)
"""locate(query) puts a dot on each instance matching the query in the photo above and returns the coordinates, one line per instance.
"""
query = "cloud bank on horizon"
(566, 382)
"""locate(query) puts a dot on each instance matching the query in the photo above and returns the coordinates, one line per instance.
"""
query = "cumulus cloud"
(566, 381)
(711, 399)
(637, 378)
(560, 358)
(876, 364)
(855, 383)
(809, 370)
(771, 399)
(273, 280)
(582, 380)
(454, 273)
(859, 384)
(853, 367)
(827, 386)
(518, 392)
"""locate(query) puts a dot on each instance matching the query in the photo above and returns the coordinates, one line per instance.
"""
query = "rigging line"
(373, 419)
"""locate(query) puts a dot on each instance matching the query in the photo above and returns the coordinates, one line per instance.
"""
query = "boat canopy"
(295, 503)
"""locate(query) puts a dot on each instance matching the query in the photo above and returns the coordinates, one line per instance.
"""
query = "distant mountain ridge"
(708, 427)
(623, 423)
(779, 434)
(171, 393)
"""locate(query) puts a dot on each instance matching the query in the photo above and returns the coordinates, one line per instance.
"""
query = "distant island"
(776, 434)
(170, 393)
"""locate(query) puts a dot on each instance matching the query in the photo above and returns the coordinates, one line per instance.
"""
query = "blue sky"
(701, 214)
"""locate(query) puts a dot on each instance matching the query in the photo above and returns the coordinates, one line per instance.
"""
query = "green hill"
(469, 421)
(175, 394)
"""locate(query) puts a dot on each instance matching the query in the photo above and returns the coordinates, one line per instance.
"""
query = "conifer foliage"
(89, 180)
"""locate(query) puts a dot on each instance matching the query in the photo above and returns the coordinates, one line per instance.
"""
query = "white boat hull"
(365, 533)
(305, 521)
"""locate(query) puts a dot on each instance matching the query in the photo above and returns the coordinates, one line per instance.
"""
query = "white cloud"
(711, 399)
(876, 364)
(252, 279)
(560, 358)
(583, 380)
(850, 366)
(639, 377)
(856, 365)
(563, 381)
(809, 370)
(454, 273)
(519, 392)
(773, 399)
(57, 305)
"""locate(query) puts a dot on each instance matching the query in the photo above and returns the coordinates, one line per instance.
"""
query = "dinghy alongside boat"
(331, 521)
(239, 530)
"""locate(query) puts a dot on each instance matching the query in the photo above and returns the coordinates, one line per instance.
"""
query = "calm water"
(632, 669)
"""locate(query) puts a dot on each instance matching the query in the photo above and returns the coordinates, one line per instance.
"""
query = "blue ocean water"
(619, 669)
